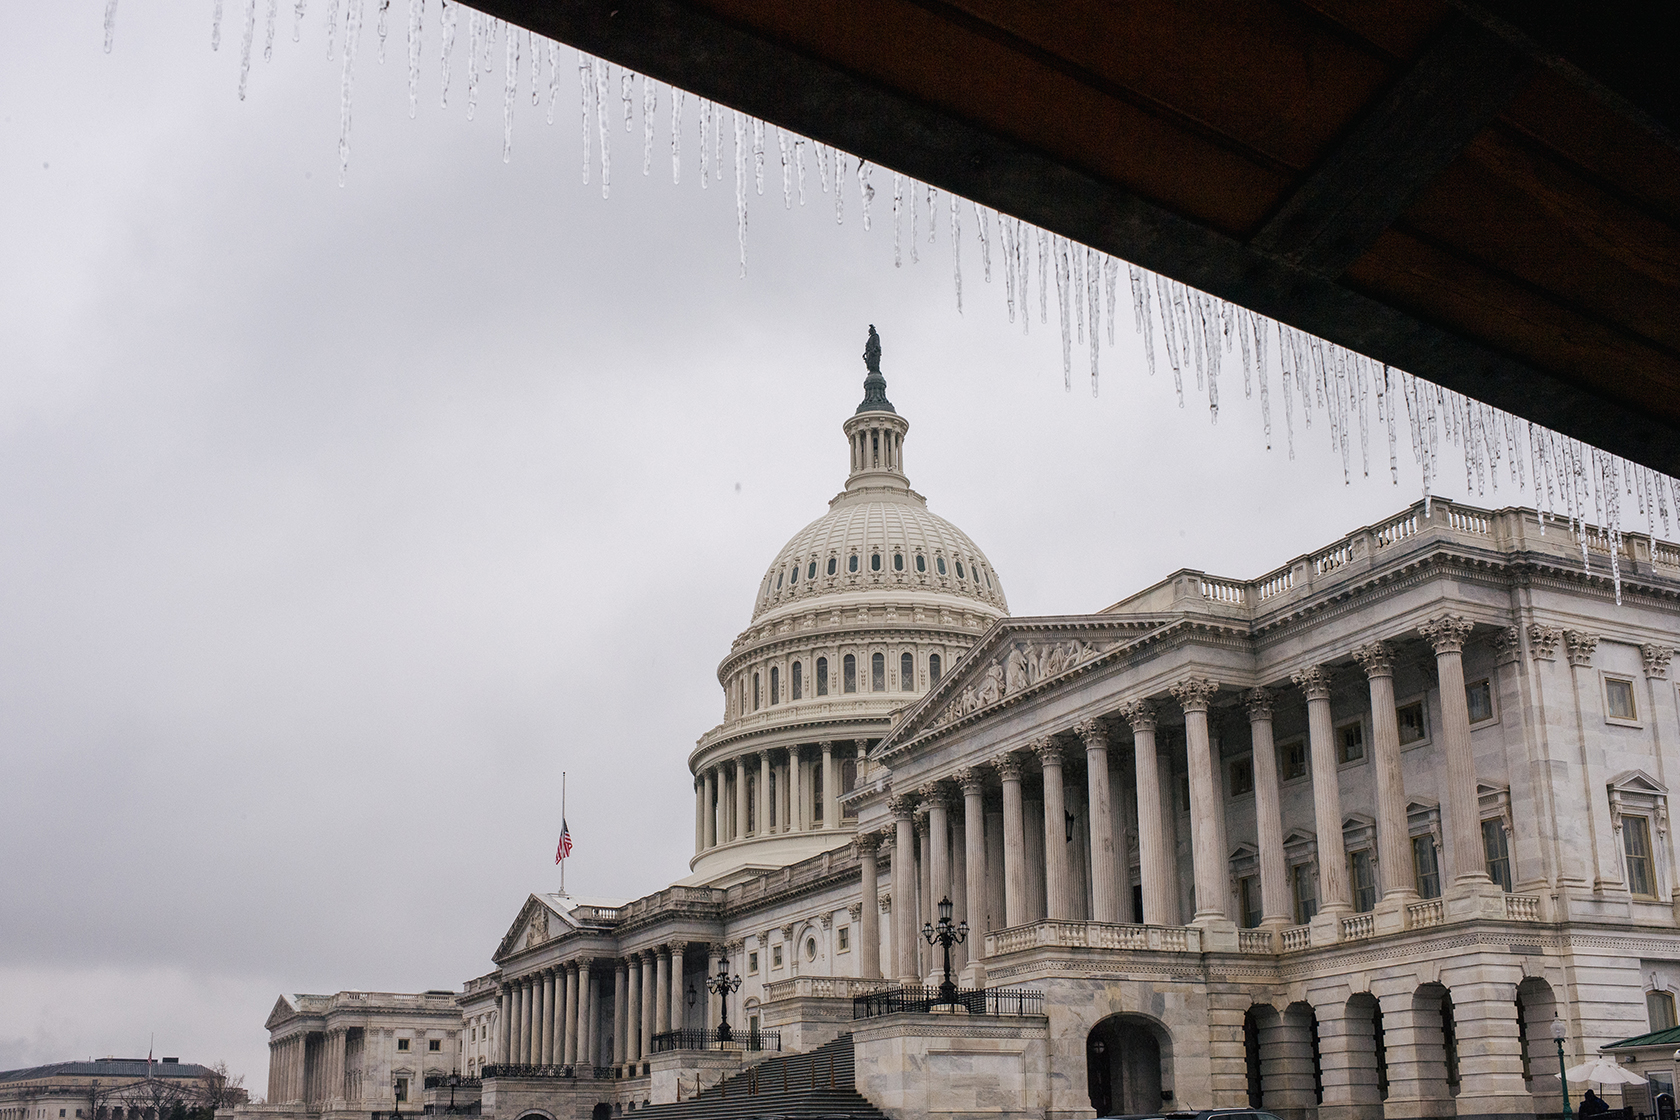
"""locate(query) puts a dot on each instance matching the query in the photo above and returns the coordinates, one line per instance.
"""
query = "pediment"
(537, 923)
(283, 1010)
(1637, 781)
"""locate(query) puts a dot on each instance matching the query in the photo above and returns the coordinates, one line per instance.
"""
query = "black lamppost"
(1563, 1078)
(946, 935)
(721, 986)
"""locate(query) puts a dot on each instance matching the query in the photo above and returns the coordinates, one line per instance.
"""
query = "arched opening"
(1435, 1049)
(1128, 1065)
(602, 1111)
(1252, 1070)
(1367, 1061)
(1536, 1008)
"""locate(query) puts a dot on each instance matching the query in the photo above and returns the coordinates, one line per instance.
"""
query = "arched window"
(933, 669)
(851, 562)
(793, 574)
(779, 576)
(906, 673)
(848, 673)
(798, 680)
(822, 676)
(960, 574)
(921, 562)
(755, 692)
(898, 561)
(831, 565)
(878, 673)
(811, 572)
(775, 684)
(874, 561)
(939, 563)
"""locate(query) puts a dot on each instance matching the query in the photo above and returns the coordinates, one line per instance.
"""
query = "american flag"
(564, 848)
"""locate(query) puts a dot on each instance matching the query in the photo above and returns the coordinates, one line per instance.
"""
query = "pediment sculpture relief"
(537, 932)
(1021, 666)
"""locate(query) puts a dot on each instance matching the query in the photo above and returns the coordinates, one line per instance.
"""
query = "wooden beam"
(1454, 90)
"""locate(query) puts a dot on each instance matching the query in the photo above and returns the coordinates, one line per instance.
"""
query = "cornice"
(871, 633)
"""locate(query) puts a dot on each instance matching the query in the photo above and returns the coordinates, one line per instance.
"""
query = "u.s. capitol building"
(1342, 840)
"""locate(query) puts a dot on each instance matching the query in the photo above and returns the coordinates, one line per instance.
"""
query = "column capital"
(676, 948)
(1009, 765)
(935, 793)
(1507, 645)
(622, 964)
(861, 746)
(1314, 680)
(1376, 659)
(1140, 714)
(1543, 641)
(1656, 661)
(865, 843)
(1581, 647)
(634, 957)
(902, 806)
(1447, 633)
(1092, 733)
(1258, 701)
(826, 745)
(970, 779)
(1194, 694)
(1049, 751)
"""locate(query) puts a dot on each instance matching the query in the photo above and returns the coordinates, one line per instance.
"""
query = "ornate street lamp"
(721, 986)
(946, 935)
(1563, 1078)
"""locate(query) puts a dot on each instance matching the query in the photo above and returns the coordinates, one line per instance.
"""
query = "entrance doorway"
(1127, 1064)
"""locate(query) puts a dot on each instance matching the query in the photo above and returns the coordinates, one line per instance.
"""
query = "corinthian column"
(650, 999)
(1154, 859)
(1059, 891)
(972, 781)
(1268, 815)
(1327, 798)
(938, 803)
(662, 993)
(739, 832)
(1105, 874)
(831, 787)
(764, 828)
(869, 918)
(903, 809)
(711, 814)
(1447, 635)
(633, 1049)
(1394, 857)
(1014, 841)
(679, 951)
(571, 1013)
(1207, 814)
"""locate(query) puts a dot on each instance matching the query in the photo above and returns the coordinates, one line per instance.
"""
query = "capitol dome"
(861, 613)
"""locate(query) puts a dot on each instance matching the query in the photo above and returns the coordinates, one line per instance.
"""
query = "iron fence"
(451, 1081)
(920, 999)
(516, 1070)
(751, 1041)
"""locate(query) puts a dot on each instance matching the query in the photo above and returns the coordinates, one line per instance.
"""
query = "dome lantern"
(875, 432)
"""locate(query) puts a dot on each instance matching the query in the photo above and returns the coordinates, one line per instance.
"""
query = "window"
(434, 1045)
(755, 692)
(878, 673)
(472, 1034)
(960, 573)
(1363, 872)
(843, 939)
(898, 561)
(793, 574)
(851, 563)
(811, 572)
(1412, 726)
(797, 684)
(402, 1082)
(817, 794)
(939, 564)
(775, 956)
(752, 964)
(402, 1044)
(822, 676)
(779, 576)
(1636, 845)
(848, 671)
(1478, 697)
(906, 673)
(810, 948)
(1350, 742)
(775, 684)
(1292, 761)
(1248, 898)
(1306, 895)
(1497, 853)
(1426, 867)
(874, 561)
(831, 565)
(1241, 776)
(921, 562)
(1659, 1009)
(933, 669)
(1618, 699)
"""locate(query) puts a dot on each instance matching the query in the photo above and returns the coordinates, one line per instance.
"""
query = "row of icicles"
(1570, 480)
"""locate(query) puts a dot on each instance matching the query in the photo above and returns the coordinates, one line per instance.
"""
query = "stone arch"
(1128, 1064)
(1290, 1077)
(601, 1111)
(1537, 1006)
(536, 1114)
(1434, 1045)
(1364, 1055)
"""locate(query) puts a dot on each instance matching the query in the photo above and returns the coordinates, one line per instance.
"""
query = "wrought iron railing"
(925, 998)
(750, 1041)
(452, 1081)
(516, 1070)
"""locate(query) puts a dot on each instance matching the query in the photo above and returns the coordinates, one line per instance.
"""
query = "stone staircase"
(819, 1084)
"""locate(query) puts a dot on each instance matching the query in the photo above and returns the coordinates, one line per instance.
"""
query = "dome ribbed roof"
(912, 546)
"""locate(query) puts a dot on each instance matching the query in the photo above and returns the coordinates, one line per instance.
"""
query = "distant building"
(112, 1089)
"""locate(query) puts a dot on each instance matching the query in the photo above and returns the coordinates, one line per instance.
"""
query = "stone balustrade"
(1358, 927)
(1094, 935)
(1256, 941)
(1522, 908)
(1429, 912)
(1296, 938)
(822, 987)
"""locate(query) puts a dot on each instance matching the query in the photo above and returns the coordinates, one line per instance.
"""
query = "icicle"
(933, 212)
(110, 24)
(1111, 286)
(553, 78)
(1078, 280)
(822, 166)
(384, 10)
(1093, 296)
(705, 142)
(914, 237)
(1248, 382)
(626, 93)
(839, 187)
(216, 30)
(799, 166)
(717, 139)
(1386, 407)
(956, 250)
(758, 154)
(1043, 277)
(741, 190)
(510, 91)
(898, 224)
(984, 233)
(787, 169)
(1007, 234)
(1064, 280)
(416, 11)
(603, 88)
(1258, 326)
(245, 45)
(475, 35)
(677, 96)
(650, 107)
(531, 48)
(297, 19)
(865, 189)
(1286, 368)
(352, 35)
(1023, 272)
(586, 93)
(268, 31)
(448, 14)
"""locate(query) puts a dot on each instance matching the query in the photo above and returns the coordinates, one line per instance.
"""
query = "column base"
(1326, 926)
(1473, 898)
(973, 976)
(1389, 915)
(1219, 933)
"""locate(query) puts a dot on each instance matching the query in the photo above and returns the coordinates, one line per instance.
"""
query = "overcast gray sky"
(337, 522)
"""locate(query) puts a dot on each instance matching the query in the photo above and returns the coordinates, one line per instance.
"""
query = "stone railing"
(822, 987)
(1429, 912)
(1255, 941)
(1358, 927)
(1332, 558)
(1522, 907)
(1469, 520)
(1094, 935)
(1296, 937)
(1275, 584)
(1396, 531)
(1223, 591)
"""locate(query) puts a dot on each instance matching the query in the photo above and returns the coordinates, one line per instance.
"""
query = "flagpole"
(562, 826)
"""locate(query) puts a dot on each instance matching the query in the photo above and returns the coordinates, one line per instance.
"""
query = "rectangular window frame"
(1249, 902)
(843, 939)
(1659, 1009)
(1343, 761)
(1284, 749)
(1426, 883)
(434, 1046)
(1305, 906)
(1239, 777)
(1496, 853)
(775, 957)
(1604, 679)
(1637, 824)
(1421, 703)
(1493, 703)
(402, 1044)
(752, 963)
(1364, 896)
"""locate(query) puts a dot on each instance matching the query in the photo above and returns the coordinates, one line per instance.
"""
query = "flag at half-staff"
(564, 848)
